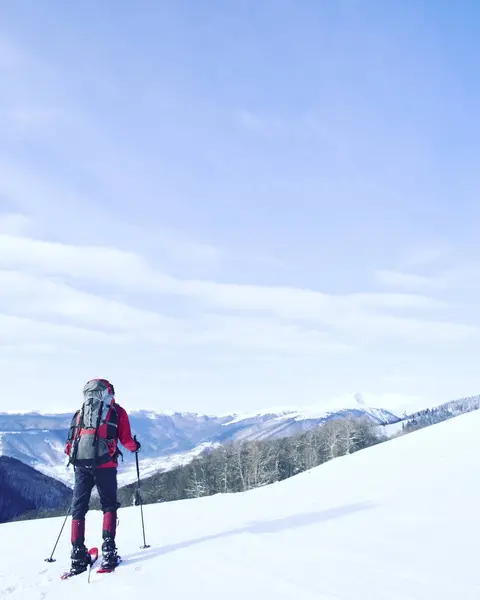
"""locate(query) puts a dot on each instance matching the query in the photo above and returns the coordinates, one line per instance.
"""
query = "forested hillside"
(437, 414)
(240, 466)
(25, 490)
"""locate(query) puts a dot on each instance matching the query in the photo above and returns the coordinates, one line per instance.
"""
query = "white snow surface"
(398, 521)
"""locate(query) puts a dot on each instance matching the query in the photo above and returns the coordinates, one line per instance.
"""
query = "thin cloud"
(409, 281)
(53, 310)
(182, 248)
(15, 330)
(15, 224)
(51, 203)
(363, 316)
(426, 255)
(268, 261)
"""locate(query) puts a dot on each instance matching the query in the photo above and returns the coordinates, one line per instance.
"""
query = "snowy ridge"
(272, 413)
(156, 414)
(339, 531)
(316, 413)
(377, 414)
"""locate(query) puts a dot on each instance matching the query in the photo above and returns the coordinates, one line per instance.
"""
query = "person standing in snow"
(92, 446)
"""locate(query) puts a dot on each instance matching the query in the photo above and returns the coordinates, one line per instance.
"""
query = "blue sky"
(230, 206)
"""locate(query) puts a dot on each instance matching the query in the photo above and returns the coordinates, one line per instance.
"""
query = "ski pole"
(139, 496)
(51, 559)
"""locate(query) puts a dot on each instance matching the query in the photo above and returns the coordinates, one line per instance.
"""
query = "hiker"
(92, 446)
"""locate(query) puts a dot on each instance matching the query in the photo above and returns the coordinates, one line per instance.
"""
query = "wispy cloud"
(61, 209)
(15, 224)
(428, 267)
(353, 316)
(35, 106)
(15, 330)
(409, 281)
(182, 248)
(49, 309)
(427, 255)
(29, 104)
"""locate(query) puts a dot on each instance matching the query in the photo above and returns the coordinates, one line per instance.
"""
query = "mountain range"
(168, 439)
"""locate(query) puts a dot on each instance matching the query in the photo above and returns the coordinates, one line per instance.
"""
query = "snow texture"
(397, 521)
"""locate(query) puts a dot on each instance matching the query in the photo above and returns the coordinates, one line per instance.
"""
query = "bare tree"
(331, 438)
(239, 464)
(348, 435)
(261, 464)
(197, 486)
(311, 449)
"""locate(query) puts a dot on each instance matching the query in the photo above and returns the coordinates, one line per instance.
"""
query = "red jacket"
(124, 434)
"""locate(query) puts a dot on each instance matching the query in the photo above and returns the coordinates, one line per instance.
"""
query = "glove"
(138, 446)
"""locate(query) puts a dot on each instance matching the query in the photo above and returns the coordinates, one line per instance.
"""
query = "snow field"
(398, 521)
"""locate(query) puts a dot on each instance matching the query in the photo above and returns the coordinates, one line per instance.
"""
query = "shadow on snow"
(275, 526)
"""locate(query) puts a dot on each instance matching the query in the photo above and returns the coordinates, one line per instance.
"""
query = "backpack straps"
(111, 421)
(73, 427)
(95, 437)
(76, 435)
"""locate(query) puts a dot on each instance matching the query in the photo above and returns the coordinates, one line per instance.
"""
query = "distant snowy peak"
(379, 415)
(262, 415)
(168, 413)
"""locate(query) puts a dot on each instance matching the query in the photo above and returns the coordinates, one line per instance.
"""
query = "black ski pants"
(85, 479)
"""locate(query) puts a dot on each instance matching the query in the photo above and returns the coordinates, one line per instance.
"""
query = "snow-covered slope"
(168, 438)
(397, 521)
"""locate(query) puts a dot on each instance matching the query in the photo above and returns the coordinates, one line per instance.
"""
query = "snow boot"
(110, 558)
(80, 558)
(79, 555)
